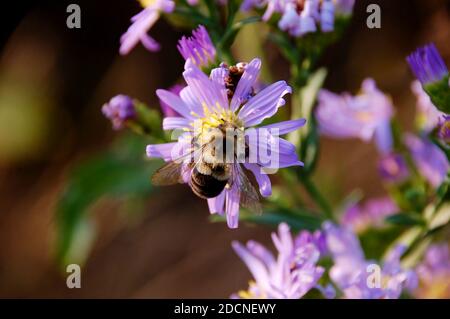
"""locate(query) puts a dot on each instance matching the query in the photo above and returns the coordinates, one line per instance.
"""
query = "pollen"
(215, 117)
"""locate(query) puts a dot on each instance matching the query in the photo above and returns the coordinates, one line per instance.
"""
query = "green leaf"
(297, 222)
(405, 219)
(118, 174)
(440, 218)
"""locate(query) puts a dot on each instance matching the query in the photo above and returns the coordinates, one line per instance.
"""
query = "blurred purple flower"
(199, 48)
(352, 273)
(227, 99)
(290, 275)
(434, 273)
(428, 114)
(363, 116)
(165, 108)
(430, 160)
(300, 18)
(142, 23)
(344, 7)
(427, 64)
(444, 128)
(119, 109)
(359, 217)
(393, 168)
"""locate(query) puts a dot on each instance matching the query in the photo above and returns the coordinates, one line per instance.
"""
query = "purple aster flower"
(353, 274)
(434, 273)
(393, 168)
(142, 23)
(226, 101)
(444, 128)
(359, 217)
(429, 159)
(363, 116)
(428, 115)
(290, 275)
(199, 48)
(166, 109)
(427, 64)
(119, 110)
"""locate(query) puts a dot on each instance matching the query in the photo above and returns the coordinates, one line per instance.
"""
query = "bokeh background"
(53, 82)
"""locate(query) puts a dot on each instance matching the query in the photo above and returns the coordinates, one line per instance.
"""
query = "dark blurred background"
(53, 82)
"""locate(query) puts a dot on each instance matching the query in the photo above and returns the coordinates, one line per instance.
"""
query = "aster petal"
(271, 152)
(232, 206)
(207, 92)
(284, 127)
(283, 239)
(170, 123)
(218, 77)
(191, 101)
(149, 43)
(245, 84)
(261, 252)
(265, 187)
(217, 204)
(163, 151)
(142, 22)
(430, 159)
(175, 102)
(264, 104)
(255, 265)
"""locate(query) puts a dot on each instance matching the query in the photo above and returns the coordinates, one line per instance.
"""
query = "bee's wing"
(249, 197)
(171, 173)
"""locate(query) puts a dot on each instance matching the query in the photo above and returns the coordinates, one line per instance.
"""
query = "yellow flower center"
(216, 117)
(147, 3)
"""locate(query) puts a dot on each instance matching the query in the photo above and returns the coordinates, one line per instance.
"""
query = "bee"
(210, 173)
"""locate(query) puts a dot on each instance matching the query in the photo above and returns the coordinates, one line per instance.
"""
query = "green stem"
(316, 196)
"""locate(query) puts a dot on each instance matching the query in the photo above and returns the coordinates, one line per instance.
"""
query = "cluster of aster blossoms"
(393, 168)
(354, 275)
(301, 17)
(295, 270)
(360, 217)
(292, 273)
(365, 116)
(227, 99)
(434, 273)
(431, 90)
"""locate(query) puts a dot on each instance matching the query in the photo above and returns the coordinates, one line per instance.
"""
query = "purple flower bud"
(444, 128)
(199, 48)
(427, 64)
(119, 109)
(393, 168)
(359, 217)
